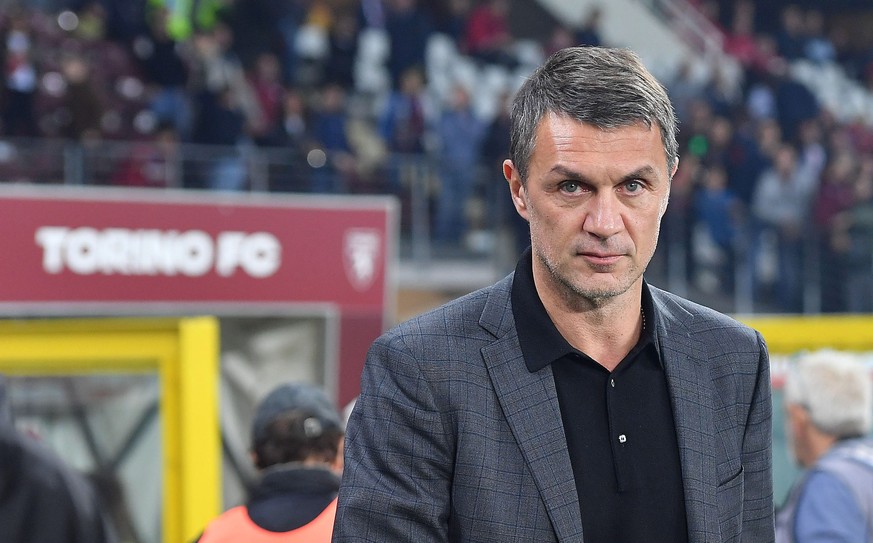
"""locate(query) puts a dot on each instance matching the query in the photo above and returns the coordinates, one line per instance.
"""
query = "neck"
(606, 332)
(817, 444)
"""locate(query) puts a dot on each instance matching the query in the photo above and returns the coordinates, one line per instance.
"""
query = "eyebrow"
(643, 172)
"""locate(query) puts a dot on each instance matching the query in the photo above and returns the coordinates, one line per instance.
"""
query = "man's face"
(594, 200)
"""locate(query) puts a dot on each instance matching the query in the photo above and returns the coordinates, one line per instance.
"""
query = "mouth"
(598, 259)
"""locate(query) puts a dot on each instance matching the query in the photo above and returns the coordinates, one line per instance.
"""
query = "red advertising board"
(74, 251)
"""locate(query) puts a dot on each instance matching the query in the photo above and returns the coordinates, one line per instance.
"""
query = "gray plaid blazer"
(453, 439)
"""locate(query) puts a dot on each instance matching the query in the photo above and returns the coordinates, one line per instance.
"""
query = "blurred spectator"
(460, 133)
(220, 121)
(329, 135)
(678, 224)
(166, 70)
(719, 91)
(404, 121)
(408, 28)
(254, 29)
(857, 222)
(217, 70)
(339, 67)
(740, 41)
(265, 80)
(19, 78)
(450, 18)
(487, 37)
(836, 195)
(829, 407)
(292, 134)
(589, 32)
(297, 444)
(761, 99)
(83, 107)
(292, 128)
(790, 37)
(684, 88)
(717, 212)
(495, 149)
(780, 206)
(812, 153)
(695, 136)
(42, 500)
(288, 16)
(719, 140)
(153, 163)
(818, 47)
(795, 104)
(747, 158)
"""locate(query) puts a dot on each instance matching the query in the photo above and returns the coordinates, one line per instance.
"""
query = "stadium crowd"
(774, 192)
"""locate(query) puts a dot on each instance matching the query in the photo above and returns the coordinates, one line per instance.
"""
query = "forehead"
(562, 139)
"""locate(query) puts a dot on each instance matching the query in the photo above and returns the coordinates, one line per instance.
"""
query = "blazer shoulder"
(484, 308)
(699, 319)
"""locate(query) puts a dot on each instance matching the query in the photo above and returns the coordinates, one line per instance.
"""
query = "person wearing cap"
(829, 415)
(297, 440)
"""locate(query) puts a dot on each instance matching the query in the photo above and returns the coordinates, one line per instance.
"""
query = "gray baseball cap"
(290, 397)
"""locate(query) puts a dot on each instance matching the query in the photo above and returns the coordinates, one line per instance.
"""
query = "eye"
(633, 186)
(571, 186)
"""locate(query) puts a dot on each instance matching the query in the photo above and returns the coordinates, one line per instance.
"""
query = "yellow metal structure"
(785, 335)
(184, 352)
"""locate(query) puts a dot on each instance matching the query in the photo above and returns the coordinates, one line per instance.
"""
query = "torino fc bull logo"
(361, 249)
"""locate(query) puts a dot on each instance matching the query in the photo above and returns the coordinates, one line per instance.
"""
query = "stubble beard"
(577, 294)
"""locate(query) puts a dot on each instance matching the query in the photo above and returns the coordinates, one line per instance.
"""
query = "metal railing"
(487, 251)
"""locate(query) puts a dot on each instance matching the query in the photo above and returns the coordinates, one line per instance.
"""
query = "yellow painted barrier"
(789, 334)
(184, 352)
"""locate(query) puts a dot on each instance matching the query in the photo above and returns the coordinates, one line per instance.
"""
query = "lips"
(602, 259)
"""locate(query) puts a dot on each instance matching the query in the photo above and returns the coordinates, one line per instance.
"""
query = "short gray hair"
(835, 389)
(604, 87)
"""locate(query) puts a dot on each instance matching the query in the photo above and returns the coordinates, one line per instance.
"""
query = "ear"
(516, 188)
(798, 418)
(339, 462)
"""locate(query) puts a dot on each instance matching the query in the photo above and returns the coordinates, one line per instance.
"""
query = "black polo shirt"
(619, 426)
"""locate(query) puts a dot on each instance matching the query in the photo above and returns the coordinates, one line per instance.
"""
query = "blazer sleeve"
(398, 454)
(758, 509)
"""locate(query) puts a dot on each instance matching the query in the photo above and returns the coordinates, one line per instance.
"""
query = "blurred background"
(399, 105)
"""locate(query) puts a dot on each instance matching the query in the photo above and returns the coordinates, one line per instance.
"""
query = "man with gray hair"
(829, 411)
(570, 401)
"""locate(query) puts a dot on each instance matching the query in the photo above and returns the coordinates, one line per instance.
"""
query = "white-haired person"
(829, 413)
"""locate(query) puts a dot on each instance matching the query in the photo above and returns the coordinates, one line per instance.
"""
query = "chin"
(589, 290)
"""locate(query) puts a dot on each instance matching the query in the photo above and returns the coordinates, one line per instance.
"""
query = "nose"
(603, 218)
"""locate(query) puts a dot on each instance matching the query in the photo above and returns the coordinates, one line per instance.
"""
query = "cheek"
(645, 231)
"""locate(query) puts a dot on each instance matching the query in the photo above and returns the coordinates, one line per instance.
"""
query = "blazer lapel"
(691, 393)
(530, 404)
